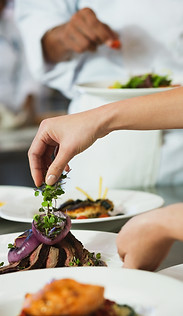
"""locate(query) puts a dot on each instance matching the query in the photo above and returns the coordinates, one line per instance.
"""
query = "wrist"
(173, 217)
(111, 117)
(54, 46)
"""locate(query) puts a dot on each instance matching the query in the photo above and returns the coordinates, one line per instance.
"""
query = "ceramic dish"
(94, 241)
(101, 89)
(148, 293)
(20, 205)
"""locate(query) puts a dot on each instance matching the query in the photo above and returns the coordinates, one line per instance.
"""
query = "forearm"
(54, 45)
(157, 111)
(173, 221)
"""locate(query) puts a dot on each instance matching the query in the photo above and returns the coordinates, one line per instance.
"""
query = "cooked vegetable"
(52, 228)
(23, 247)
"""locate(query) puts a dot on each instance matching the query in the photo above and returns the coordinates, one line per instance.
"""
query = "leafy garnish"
(149, 80)
(96, 258)
(49, 224)
(75, 262)
(11, 246)
(50, 194)
(1, 264)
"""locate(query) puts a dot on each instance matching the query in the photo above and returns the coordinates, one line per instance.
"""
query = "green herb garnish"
(75, 262)
(149, 80)
(1, 264)
(98, 255)
(11, 246)
(49, 224)
(96, 258)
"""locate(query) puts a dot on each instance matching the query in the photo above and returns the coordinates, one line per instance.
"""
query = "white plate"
(21, 205)
(94, 241)
(174, 272)
(101, 89)
(149, 293)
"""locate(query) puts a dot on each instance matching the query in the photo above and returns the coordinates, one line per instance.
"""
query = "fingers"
(86, 32)
(59, 164)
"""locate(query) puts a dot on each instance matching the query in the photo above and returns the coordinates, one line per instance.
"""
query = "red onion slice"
(64, 225)
(26, 247)
(20, 239)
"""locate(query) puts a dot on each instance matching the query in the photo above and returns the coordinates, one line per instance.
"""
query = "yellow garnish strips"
(100, 188)
(2, 203)
(86, 194)
(105, 193)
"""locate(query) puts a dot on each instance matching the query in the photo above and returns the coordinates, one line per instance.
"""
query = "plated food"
(67, 297)
(49, 243)
(149, 80)
(90, 207)
(22, 206)
(148, 293)
(85, 209)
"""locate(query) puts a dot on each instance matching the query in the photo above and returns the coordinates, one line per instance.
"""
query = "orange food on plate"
(82, 209)
(64, 297)
(68, 297)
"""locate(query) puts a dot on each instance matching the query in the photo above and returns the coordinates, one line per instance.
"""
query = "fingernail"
(51, 179)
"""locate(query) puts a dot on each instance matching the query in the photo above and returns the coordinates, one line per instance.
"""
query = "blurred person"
(17, 88)
(74, 44)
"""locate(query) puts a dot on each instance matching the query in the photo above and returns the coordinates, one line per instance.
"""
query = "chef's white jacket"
(151, 32)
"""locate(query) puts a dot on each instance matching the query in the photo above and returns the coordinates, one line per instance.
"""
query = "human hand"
(84, 32)
(68, 135)
(144, 241)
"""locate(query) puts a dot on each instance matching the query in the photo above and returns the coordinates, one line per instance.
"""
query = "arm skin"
(84, 32)
(72, 135)
(145, 240)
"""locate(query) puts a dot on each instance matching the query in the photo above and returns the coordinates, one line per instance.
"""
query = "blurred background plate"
(101, 89)
(149, 293)
(175, 271)
(21, 205)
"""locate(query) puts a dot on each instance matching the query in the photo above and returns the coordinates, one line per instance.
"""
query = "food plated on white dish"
(103, 243)
(148, 293)
(20, 205)
(102, 89)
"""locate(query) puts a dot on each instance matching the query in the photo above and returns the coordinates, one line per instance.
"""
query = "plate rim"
(89, 86)
(130, 279)
(94, 220)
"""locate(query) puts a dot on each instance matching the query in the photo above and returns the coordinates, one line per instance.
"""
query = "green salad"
(149, 80)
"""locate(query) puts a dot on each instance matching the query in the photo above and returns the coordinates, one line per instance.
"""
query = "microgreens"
(50, 193)
(96, 258)
(75, 262)
(50, 222)
(11, 246)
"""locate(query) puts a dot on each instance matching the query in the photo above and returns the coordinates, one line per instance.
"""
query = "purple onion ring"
(64, 225)
(26, 247)
(20, 239)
